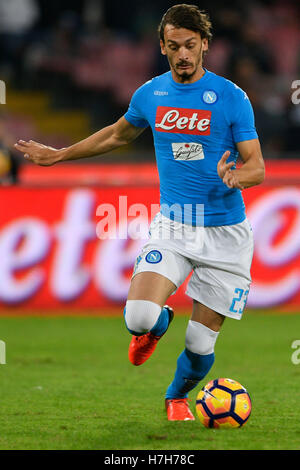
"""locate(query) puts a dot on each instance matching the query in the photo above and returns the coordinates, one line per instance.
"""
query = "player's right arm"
(107, 139)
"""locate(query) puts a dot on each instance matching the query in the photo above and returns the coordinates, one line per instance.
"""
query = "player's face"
(184, 50)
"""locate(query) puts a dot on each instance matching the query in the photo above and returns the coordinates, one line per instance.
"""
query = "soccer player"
(200, 122)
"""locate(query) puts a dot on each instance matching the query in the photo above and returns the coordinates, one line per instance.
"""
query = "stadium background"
(70, 68)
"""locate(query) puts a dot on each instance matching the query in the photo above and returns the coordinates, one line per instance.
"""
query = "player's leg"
(195, 361)
(158, 271)
(219, 287)
(152, 286)
(157, 275)
(145, 317)
(144, 311)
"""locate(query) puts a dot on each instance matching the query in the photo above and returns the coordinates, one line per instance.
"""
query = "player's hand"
(231, 180)
(228, 176)
(37, 153)
(223, 166)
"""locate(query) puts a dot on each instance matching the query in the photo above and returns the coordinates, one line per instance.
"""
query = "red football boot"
(178, 410)
(142, 347)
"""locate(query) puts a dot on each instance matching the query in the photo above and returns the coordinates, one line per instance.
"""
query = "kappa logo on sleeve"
(183, 120)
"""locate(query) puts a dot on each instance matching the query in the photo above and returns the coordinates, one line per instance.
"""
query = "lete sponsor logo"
(26, 243)
(54, 256)
(182, 120)
(273, 214)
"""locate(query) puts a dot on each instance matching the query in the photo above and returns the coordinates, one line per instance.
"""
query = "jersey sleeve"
(135, 114)
(240, 114)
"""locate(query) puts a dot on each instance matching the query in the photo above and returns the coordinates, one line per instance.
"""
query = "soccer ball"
(223, 403)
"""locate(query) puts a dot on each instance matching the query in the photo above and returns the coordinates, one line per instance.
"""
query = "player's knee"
(200, 339)
(141, 316)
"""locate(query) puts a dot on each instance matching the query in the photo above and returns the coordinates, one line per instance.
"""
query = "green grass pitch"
(68, 384)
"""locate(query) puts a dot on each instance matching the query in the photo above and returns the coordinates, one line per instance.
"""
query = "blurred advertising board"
(69, 236)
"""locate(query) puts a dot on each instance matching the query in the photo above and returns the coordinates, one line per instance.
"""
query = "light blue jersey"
(193, 125)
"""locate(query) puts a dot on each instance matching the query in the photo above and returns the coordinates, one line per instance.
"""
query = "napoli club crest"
(209, 97)
(154, 257)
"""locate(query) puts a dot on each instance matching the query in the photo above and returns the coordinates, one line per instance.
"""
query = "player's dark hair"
(188, 17)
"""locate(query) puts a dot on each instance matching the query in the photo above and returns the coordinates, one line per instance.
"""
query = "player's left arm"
(252, 171)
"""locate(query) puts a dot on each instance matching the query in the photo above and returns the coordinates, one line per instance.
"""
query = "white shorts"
(220, 258)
